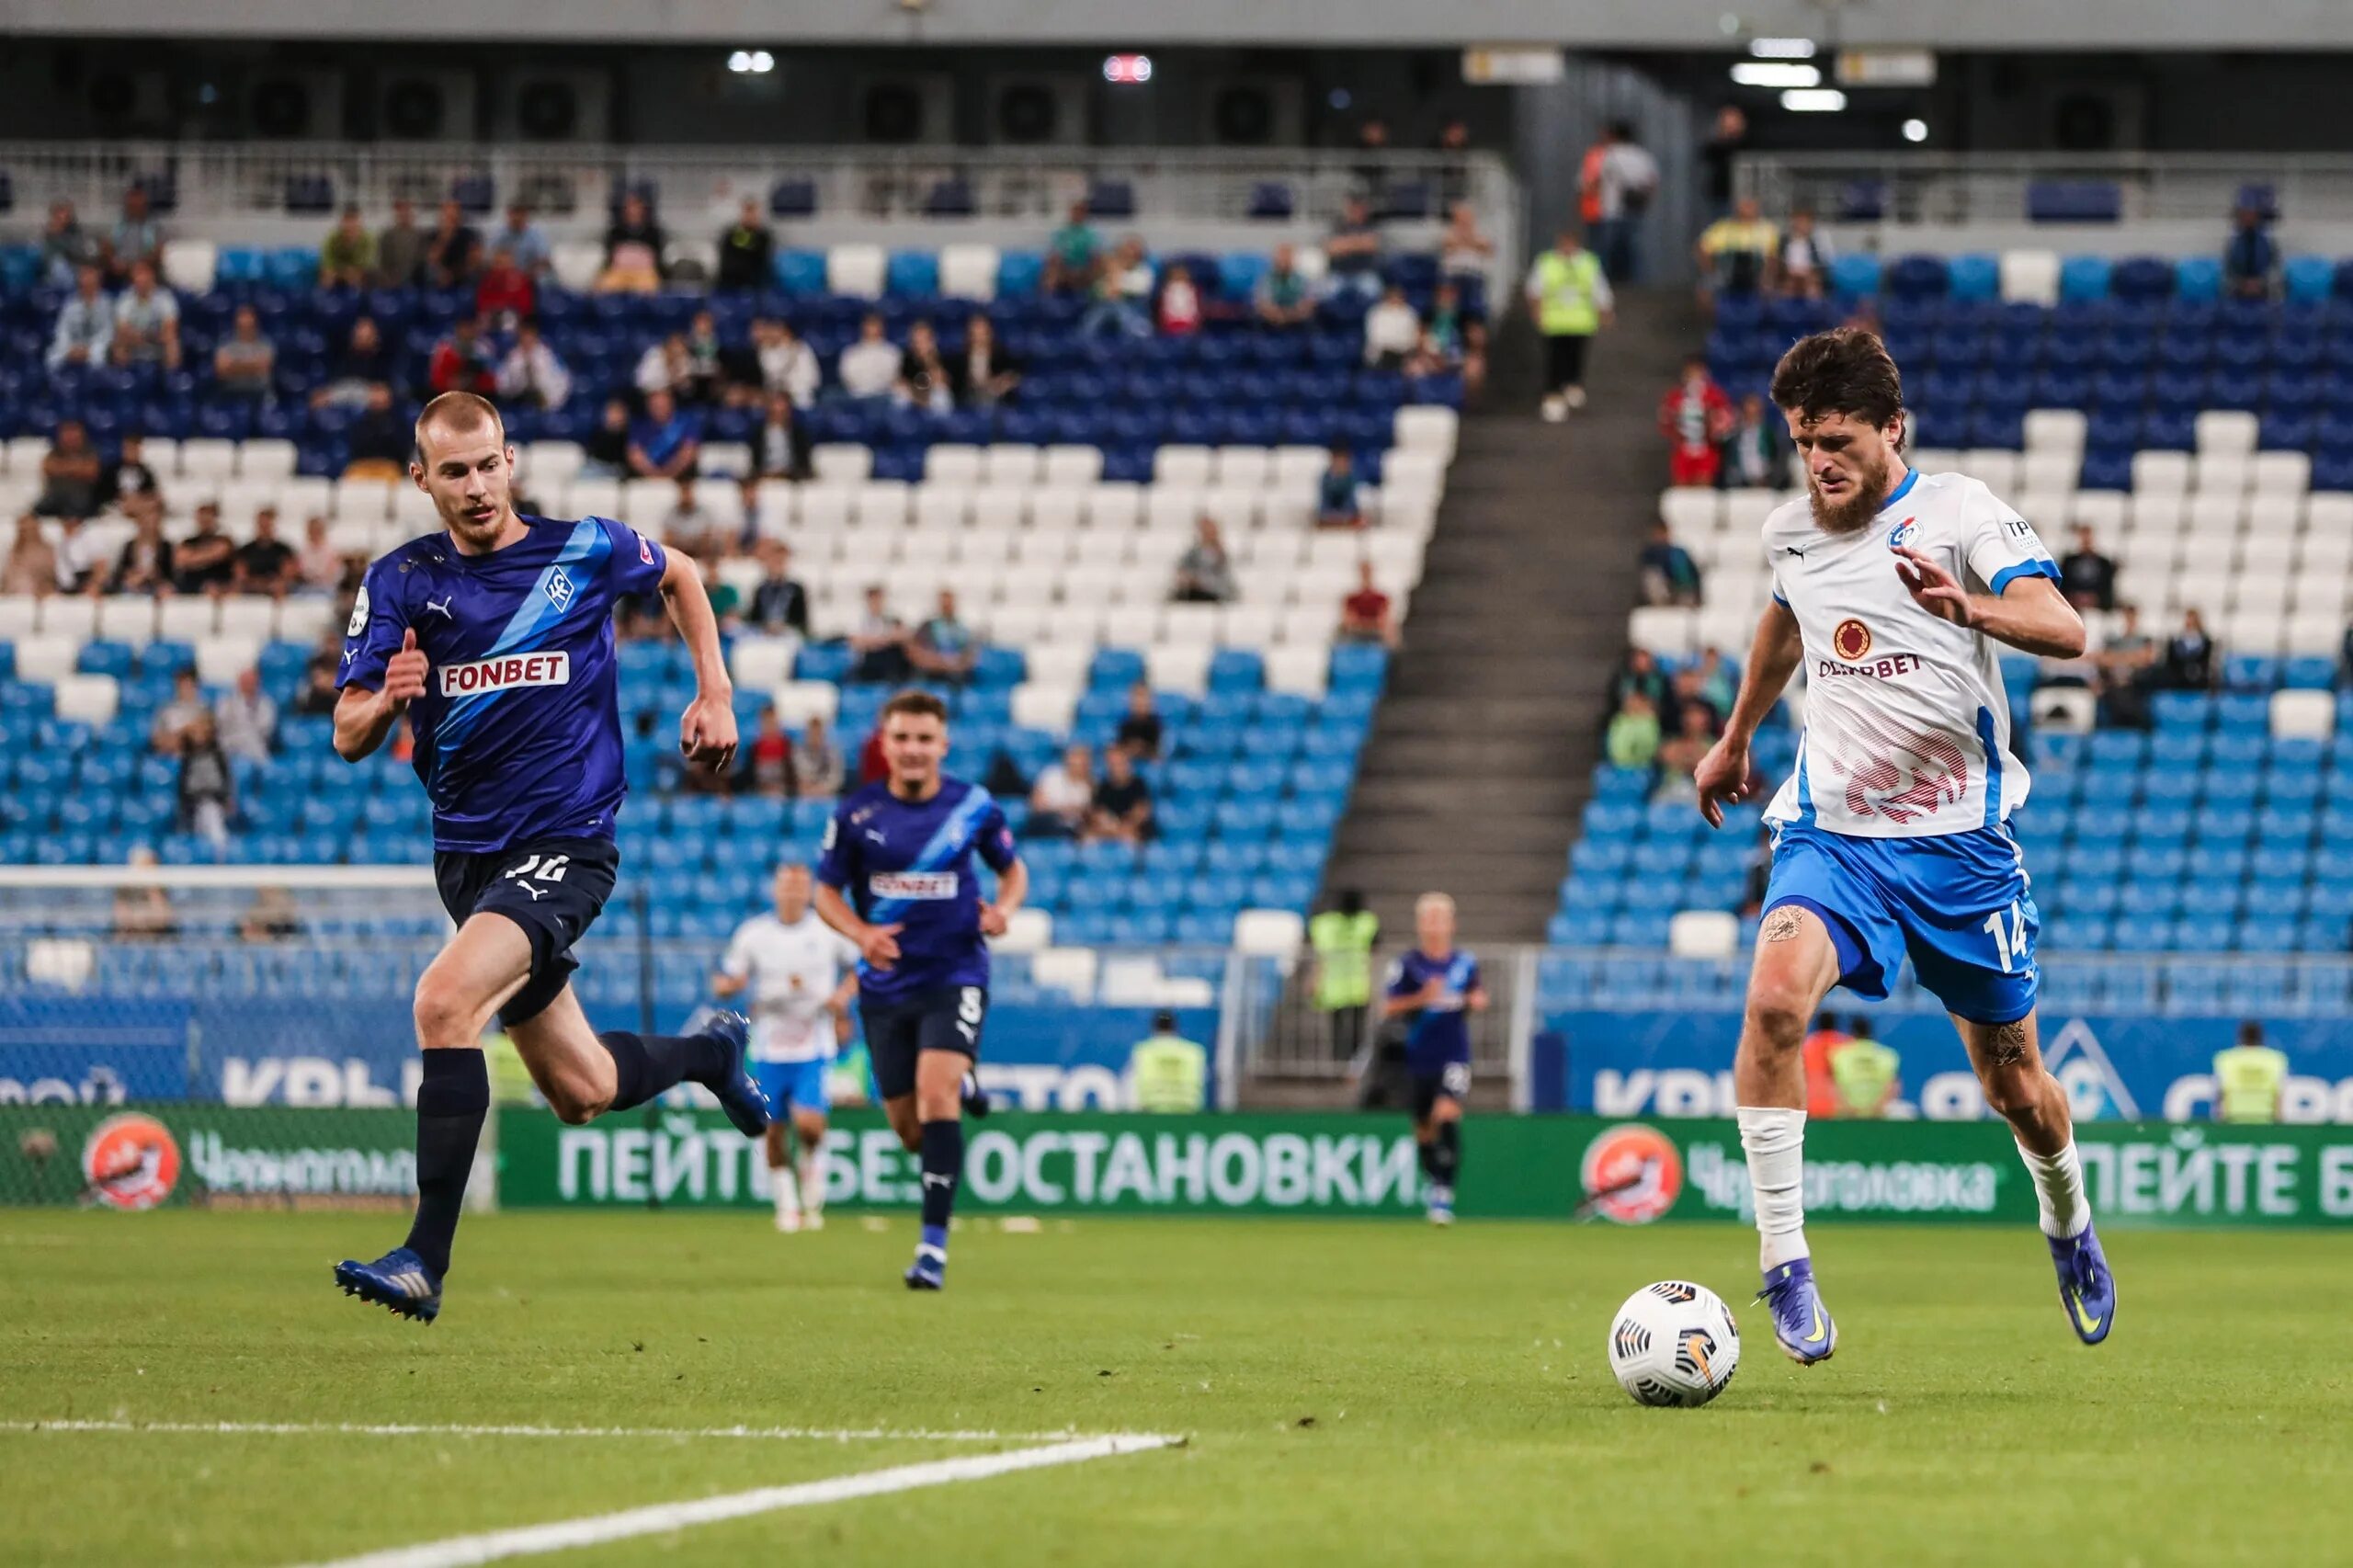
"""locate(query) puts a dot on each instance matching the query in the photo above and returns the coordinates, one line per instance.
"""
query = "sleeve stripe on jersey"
(2008, 575)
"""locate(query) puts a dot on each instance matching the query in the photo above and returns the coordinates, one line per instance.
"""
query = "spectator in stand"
(1727, 139)
(1615, 181)
(347, 256)
(531, 375)
(1366, 615)
(767, 765)
(504, 293)
(137, 238)
(779, 603)
(880, 643)
(66, 247)
(144, 563)
(81, 557)
(169, 732)
(1688, 693)
(1180, 303)
(1072, 255)
(633, 245)
(1694, 416)
(243, 363)
(318, 565)
(1734, 252)
(1802, 266)
(205, 562)
(1123, 287)
(1141, 730)
(1282, 298)
(69, 474)
(1353, 249)
(1464, 251)
(780, 447)
(380, 442)
(786, 364)
(746, 252)
(267, 564)
(1568, 294)
(1639, 675)
(453, 251)
(1451, 340)
(525, 241)
(1633, 739)
(129, 476)
(1204, 573)
(1753, 455)
(319, 695)
(1372, 139)
(2251, 256)
(84, 331)
(870, 368)
(1453, 144)
(1666, 571)
(246, 718)
(1339, 501)
(605, 453)
(207, 790)
(400, 249)
(147, 322)
(1715, 682)
(1120, 808)
(706, 372)
(689, 526)
(662, 367)
(943, 647)
(924, 381)
(270, 917)
(666, 443)
(462, 362)
(2127, 662)
(2086, 577)
(817, 765)
(362, 361)
(1680, 755)
(985, 375)
(2188, 661)
(1061, 796)
(1391, 331)
(30, 569)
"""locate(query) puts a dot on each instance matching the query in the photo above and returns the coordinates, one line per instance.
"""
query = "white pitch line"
(595, 1530)
(395, 1430)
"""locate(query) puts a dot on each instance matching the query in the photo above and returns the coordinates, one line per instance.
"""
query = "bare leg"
(570, 1065)
(2020, 1089)
(1796, 966)
(811, 1166)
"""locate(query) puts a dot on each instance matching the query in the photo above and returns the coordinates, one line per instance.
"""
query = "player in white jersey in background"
(1889, 839)
(802, 977)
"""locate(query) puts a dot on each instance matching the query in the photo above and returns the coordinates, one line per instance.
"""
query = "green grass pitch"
(1357, 1392)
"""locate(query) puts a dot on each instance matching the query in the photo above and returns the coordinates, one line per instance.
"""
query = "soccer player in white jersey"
(1893, 586)
(799, 976)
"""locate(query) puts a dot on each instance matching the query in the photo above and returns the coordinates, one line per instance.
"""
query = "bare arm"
(1723, 774)
(363, 718)
(707, 729)
(726, 985)
(2030, 615)
(1012, 890)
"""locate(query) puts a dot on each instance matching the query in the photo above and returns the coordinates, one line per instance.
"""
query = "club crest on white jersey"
(1907, 727)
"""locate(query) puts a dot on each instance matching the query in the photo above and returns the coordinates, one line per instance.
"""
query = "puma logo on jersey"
(442, 608)
(506, 673)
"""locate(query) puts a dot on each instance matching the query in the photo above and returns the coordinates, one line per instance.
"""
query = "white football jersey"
(791, 970)
(1907, 728)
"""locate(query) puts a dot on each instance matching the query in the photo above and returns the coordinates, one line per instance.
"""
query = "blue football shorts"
(1957, 903)
(800, 1084)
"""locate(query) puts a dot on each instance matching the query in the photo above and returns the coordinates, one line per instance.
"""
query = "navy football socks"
(1446, 1153)
(450, 1104)
(647, 1065)
(942, 1154)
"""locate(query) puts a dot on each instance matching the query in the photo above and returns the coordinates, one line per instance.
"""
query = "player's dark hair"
(921, 704)
(1845, 371)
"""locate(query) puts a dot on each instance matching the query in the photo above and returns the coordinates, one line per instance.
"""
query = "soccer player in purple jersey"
(898, 880)
(496, 638)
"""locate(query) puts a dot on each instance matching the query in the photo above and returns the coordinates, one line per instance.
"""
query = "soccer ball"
(1674, 1343)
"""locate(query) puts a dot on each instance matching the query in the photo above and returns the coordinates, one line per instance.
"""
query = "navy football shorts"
(1450, 1082)
(552, 888)
(901, 1028)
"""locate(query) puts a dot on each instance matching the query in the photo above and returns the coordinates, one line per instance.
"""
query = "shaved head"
(464, 463)
(459, 413)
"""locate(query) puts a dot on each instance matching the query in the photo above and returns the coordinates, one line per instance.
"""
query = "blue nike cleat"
(399, 1281)
(1804, 1330)
(739, 1092)
(1441, 1206)
(2085, 1288)
(928, 1272)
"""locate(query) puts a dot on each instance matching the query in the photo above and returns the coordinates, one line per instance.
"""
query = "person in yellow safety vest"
(1863, 1073)
(1169, 1075)
(2249, 1078)
(1342, 936)
(1569, 296)
(510, 1081)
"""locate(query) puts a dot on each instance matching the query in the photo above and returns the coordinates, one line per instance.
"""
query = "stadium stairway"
(1483, 749)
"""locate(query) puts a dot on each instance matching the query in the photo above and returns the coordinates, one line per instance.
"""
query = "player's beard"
(1869, 494)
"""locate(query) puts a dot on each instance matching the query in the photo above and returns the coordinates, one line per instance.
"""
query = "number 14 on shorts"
(2010, 937)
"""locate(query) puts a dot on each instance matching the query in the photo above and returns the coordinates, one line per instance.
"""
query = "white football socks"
(2059, 1189)
(812, 1167)
(1773, 1139)
(786, 1193)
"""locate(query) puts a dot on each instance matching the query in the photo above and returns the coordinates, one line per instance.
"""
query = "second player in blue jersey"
(898, 880)
(1436, 986)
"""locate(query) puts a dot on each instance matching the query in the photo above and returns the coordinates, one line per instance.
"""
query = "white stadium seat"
(2058, 431)
(968, 272)
(189, 266)
(1071, 465)
(2227, 430)
(859, 270)
(1010, 464)
(2304, 715)
(88, 699)
(2031, 277)
(949, 463)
